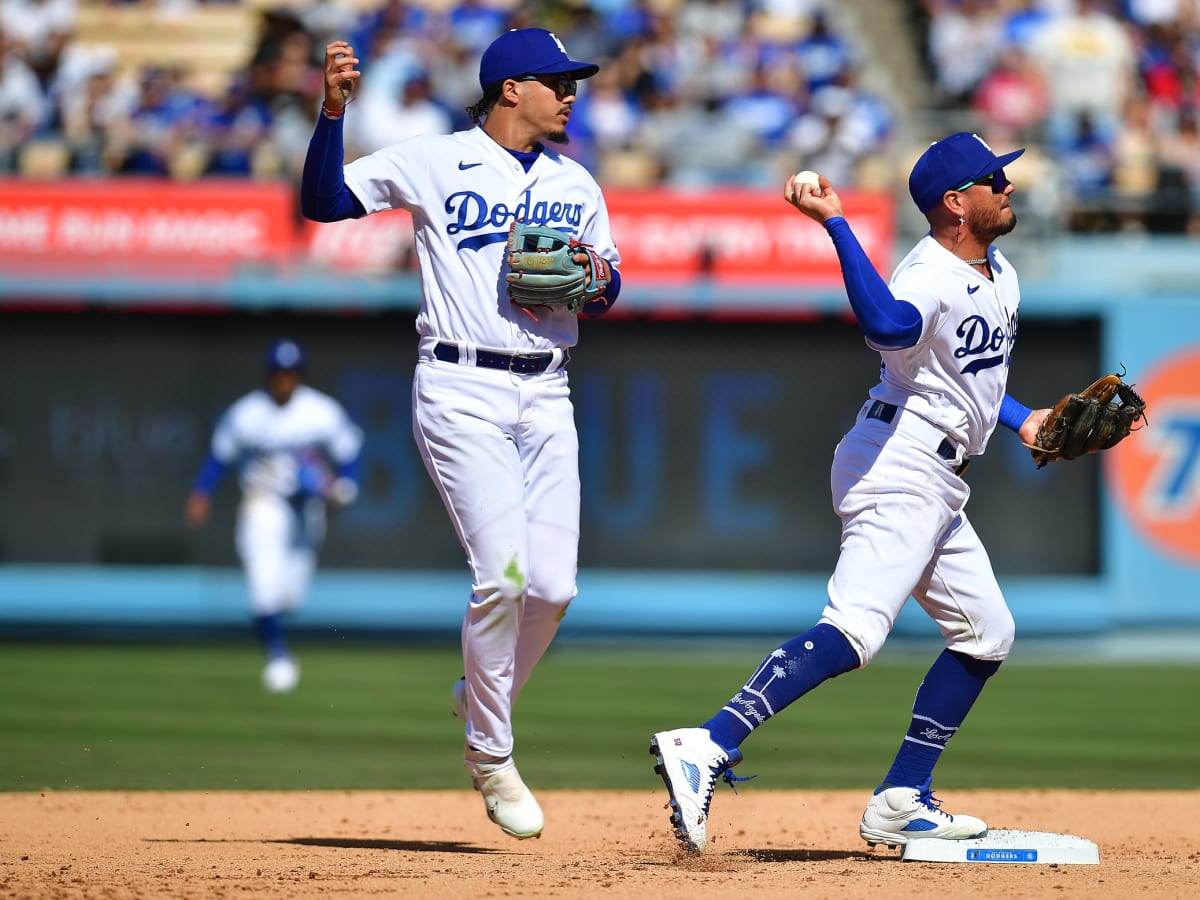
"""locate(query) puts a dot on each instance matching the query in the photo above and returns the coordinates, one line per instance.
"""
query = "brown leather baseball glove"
(1098, 417)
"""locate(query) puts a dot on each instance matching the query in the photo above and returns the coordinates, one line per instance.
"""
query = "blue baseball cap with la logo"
(529, 51)
(950, 163)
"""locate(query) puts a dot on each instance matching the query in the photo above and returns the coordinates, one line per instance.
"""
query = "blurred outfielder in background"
(296, 452)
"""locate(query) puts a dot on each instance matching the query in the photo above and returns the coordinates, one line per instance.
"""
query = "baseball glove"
(1096, 418)
(543, 270)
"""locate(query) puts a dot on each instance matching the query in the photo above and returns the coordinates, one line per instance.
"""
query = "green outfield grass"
(376, 716)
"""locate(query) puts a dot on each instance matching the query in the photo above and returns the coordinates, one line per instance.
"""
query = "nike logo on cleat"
(463, 166)
(970, 290)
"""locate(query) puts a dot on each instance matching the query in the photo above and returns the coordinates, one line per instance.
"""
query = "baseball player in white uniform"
(492, 411)
(944, 328)
(297, 453)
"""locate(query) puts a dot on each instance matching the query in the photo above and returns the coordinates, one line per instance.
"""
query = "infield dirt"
(435, 844)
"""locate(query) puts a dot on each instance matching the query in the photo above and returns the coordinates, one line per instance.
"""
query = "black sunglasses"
(997, 181)
(563, 85)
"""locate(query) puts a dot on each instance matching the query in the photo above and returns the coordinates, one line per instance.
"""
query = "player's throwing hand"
(819, 202)
(340, 75)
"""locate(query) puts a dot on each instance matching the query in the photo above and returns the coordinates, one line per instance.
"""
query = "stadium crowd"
(691, 93)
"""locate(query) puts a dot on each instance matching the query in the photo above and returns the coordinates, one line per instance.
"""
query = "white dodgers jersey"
(464, 192)
(275, 445)
(957, 373)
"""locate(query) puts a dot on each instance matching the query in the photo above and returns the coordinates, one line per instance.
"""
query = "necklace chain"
(976, 262)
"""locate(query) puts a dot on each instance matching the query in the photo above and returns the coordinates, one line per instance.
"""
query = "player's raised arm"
(886, 321)
(324, 196)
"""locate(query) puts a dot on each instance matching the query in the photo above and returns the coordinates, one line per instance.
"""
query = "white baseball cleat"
(900, 814)
(690, 762)
(509, 803)
(281, 675)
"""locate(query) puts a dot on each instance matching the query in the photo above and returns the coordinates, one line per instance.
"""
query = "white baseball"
(806, 177)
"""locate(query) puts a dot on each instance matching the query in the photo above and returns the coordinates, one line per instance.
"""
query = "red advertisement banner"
(144, 226)
(73, 225)
(664, 237)
(739, 236)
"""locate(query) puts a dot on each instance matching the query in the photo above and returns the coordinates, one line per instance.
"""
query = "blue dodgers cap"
(529, 51)
(951, 163)
(285, 354)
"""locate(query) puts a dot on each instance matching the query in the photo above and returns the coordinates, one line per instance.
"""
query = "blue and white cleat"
(897, 815)
(690, 762)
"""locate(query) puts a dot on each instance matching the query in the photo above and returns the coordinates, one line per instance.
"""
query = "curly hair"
(484, 104)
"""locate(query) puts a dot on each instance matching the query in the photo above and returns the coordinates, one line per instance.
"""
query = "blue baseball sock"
(270, 633)
(786, 675)
(944, 698)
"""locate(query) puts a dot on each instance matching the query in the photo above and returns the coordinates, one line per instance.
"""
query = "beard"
(558, 136)
(993, 226)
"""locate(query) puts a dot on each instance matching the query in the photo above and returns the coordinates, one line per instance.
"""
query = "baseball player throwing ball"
(297, 453)
(514, 244)
(945, 328)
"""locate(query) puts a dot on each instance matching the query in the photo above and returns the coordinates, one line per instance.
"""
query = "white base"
(1005, 847)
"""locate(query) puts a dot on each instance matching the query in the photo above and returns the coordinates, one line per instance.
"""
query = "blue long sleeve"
(1012, 413)
(324, 196)
(350, 469)
(212, 470)
(888, 323)
(593, 309)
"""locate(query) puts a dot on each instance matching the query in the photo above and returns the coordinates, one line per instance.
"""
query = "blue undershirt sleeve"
(888, 323)
(350, 469)
(602, 304)
(212, 470)
(324, 196)
(1013, 413)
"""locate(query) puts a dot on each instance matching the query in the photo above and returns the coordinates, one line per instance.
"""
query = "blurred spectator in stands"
(476, 23)
(327, 20)
(965, 39)
(717, 20)
(1088, 61)
(824, 55)
(768, 105)
(584, 31)
(831, 138)
(1168, 60)
(1012, 101)
(625, 20)
(1180, 150)
(163, 120)
(24, 105)
(1087, 163)
(237, 126)
(454, 74)
(88, 115)
(40, 30)
(604, 117)
(1147, 13)
(1134, 168)
(383, 120)
(1022, 19)
(376, 27)
(698, 145)
(288, 82)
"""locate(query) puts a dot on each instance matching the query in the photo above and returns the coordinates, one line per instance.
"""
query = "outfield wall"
(1097, 545)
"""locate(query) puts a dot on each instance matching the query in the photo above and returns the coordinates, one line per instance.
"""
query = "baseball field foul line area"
(610, 844)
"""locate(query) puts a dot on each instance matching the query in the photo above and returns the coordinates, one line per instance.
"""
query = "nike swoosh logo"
(463, 166)
(973, 289)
